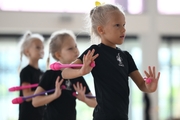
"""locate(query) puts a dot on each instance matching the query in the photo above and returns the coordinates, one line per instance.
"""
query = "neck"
(109, 44)
(34, 64)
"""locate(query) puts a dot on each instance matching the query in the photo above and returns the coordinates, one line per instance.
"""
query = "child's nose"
(77, 51)
(124, 29)
(42, 51)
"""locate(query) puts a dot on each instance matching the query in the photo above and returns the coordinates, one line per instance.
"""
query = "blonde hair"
(99, 16)
(55, 41)
(25, 43)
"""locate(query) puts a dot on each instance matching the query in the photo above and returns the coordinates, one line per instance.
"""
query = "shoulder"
(52, 72)
(128, 56)
(125, 52)
(41, 71)
(94, 46)
(25, 70)
(51, 75)
(49, 72)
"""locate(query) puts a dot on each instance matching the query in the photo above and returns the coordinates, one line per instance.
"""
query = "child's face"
(36, 50)
(69, 51)
(114, 29)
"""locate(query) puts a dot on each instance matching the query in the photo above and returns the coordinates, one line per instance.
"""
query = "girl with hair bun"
(32, 47)
(61, 104)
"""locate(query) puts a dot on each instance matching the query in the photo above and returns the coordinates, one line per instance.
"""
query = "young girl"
(32, 47)
(61, 103)
(113, 66)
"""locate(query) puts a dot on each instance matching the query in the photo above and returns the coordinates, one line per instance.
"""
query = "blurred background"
(152, 37)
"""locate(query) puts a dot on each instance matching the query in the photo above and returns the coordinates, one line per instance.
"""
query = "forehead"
(68, 41)
(36, 41)
(116, 16)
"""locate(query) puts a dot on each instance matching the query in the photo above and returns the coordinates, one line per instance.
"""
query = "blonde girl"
(32, 47)
(113, 65)
(61, 104)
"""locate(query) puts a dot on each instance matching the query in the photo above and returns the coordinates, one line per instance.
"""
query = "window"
(168, 6)
(169, 85)
(70, 6)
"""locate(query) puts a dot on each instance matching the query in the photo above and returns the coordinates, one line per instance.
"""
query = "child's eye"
(70, 48)
(38, 47)
(117, 25)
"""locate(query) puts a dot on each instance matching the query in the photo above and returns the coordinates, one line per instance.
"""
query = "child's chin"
(42, 56)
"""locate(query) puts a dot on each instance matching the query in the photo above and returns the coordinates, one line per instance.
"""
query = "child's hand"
(81, 91)
(87, 60)
(57, 92)
(152, 85)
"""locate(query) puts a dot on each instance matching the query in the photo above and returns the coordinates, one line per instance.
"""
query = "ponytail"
(22, 45)
(19, 68)
(48, 61)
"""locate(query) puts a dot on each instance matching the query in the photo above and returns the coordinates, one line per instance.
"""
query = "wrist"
(80, 73)
(55, 96)
(84, 100)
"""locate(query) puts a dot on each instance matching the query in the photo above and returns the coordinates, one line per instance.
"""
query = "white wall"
(15, 22)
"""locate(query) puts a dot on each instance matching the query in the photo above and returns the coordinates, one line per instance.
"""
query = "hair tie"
(97, 3)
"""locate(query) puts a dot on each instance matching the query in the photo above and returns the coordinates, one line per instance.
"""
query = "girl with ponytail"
(32, 47)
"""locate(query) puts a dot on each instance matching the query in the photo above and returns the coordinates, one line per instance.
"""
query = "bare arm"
(91, 102)
(138, 79)
(27, 92)
(69, 73)
(140, 82)
(45, 99)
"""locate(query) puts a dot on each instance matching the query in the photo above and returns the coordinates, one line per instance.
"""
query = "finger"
(57, 80)
(150, 71)
(61, 81)
(88, 53)
(92, 52)
(75, 87)
(84, 89)
(84, 58)
(94, 57)
(81, 86)
(77, 84)
(147, 74)
(85, 55)
(154, 73)
(158, 76)
(57, 86)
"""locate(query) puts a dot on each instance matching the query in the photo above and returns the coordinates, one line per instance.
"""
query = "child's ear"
(57, 55)
(100, 30)
(26, 52)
